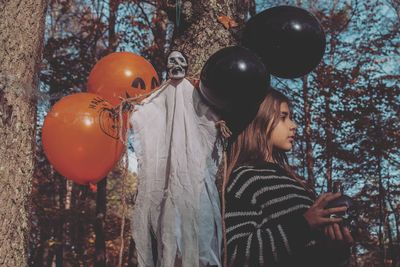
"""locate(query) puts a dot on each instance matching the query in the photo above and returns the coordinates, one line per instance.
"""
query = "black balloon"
(290, 40)
(234, 81)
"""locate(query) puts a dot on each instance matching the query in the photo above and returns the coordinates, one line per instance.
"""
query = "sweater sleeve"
(264, 220)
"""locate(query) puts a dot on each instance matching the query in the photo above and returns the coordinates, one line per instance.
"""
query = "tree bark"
(21, 39)
(200, 34)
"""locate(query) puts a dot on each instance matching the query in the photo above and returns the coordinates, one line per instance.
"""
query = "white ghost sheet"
(177, 219)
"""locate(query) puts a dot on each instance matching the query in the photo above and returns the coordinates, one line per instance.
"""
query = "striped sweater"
(264, 217)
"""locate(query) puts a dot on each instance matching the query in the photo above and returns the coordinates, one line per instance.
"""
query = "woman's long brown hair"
(253, 145)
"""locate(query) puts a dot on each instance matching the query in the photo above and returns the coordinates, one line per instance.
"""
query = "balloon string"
(226, 134)
(124, 139)
(124, 207)
(178, 12)
(224, 129)
(224, 181)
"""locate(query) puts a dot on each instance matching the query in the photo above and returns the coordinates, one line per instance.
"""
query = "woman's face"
(282, 136)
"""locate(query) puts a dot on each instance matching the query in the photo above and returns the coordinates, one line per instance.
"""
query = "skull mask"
(177, 65)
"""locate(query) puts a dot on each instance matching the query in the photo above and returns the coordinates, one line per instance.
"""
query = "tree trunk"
(329, 120)
(59, 221)
(101, 205)
(77, 225)
(308, 135)
(391, 249)
(21, 39)
(157, 51)
(100, 259)
(200, 34)
(329, 144)
(395, 213)
(381, 225)
(112, 19)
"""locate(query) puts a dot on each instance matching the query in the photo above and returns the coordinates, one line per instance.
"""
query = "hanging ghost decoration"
(177, 216)
(177, 65)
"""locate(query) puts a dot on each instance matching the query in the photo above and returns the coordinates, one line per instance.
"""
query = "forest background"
(347, 110)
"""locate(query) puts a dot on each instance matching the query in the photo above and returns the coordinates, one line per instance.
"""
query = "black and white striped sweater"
(264, 216)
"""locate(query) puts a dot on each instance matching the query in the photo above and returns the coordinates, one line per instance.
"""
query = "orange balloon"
(80, 137)
(122, 75)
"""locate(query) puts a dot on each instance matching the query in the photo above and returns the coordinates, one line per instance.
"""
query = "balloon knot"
(196, 83)
(223, 128)
(93, 187)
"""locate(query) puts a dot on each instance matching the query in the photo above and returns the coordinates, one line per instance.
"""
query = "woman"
(271, 217)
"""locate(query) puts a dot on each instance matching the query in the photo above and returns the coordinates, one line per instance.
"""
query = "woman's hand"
(317, 216)
(336, 232)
